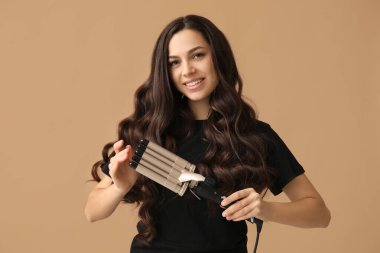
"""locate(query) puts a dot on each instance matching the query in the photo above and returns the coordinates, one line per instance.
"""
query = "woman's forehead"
(186, 40)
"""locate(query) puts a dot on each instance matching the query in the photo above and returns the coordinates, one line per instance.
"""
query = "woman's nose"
(188, 69)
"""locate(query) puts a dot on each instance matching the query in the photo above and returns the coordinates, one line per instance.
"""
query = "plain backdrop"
(68, 72)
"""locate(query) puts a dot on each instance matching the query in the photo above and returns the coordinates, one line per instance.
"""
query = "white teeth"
(193, 83)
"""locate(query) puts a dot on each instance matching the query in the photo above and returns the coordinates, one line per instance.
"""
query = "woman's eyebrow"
(188, 52)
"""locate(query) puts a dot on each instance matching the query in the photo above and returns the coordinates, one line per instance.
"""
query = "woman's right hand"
(123, 176)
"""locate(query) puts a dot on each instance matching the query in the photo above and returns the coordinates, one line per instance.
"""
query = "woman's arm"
(103, 200)
(306, 208)
(107, 194)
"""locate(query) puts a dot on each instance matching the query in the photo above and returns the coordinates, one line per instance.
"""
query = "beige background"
(68, 71)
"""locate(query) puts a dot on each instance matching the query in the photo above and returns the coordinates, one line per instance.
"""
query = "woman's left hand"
(246, 203)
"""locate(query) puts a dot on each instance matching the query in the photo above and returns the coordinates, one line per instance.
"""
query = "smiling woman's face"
(191, 66)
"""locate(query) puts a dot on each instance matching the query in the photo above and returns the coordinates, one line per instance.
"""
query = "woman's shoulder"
(270, 136)
(262, 126)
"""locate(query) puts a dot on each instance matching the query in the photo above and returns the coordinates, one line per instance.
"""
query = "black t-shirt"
(186, 224)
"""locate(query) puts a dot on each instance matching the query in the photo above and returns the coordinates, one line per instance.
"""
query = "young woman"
(192, 105)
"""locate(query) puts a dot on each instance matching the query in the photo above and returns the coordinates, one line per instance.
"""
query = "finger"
(129, 151)
(118, 146)
(245, 217)
(247, 212)
(236, 196)
(252, 200)
(255, 212)
(237, 206)
(117, 159)
(240, 213)
(245, 208)
(121, 157)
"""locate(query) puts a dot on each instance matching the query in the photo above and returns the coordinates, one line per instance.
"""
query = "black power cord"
(259, 226)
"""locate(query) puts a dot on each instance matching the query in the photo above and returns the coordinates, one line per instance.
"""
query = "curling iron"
(177, 174)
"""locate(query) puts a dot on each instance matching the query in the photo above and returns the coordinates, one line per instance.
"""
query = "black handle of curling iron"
(207, 191)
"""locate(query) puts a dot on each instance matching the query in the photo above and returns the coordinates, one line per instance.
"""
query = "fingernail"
(224, 214)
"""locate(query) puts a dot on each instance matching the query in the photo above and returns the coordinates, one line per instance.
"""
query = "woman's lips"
(195, 83)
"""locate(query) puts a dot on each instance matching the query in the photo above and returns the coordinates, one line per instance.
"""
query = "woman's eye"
(173, 63)
(199, 55)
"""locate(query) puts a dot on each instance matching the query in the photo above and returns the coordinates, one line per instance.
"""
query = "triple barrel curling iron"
(177, 174)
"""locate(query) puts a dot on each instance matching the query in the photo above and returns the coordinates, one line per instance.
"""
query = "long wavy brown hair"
(163, 117)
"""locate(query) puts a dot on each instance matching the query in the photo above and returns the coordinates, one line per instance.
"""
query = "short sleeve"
(280, 159)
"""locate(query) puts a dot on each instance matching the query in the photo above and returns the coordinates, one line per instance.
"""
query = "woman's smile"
(194, 83)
